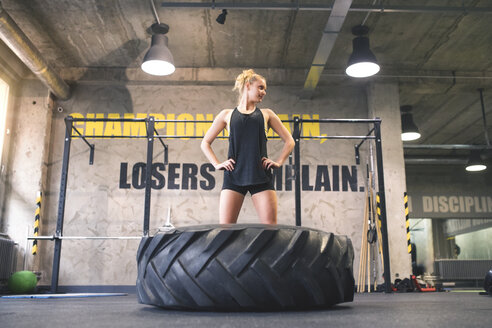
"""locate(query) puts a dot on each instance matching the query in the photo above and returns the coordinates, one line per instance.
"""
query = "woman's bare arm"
(276, 124)
(219, 124)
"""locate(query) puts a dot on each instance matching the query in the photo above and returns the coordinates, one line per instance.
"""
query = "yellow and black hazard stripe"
(407, 222)
(378, 209)
(36, 224)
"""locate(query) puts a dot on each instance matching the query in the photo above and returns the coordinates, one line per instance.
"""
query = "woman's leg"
(229, 206)
(265, 203)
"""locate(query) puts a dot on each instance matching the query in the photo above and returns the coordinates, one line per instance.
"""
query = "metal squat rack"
(152, 134)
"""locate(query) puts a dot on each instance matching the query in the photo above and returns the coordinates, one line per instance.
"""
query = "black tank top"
(247, 146)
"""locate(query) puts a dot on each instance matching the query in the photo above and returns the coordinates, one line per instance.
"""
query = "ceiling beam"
(328, 38)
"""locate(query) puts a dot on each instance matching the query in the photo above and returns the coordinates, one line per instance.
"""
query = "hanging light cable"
(158, 60)
(475, 162)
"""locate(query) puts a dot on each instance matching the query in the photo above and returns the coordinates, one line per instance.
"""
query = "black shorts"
(253, 189)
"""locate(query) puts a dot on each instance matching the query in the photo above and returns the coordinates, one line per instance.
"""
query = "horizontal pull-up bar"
(200, 137)
(143, 120)
(108, 119)
(338, 120)
(338, 137)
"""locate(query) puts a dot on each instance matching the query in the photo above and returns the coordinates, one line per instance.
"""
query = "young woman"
(247, 167)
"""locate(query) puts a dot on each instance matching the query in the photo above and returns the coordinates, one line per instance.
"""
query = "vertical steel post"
(484, 120)
(148, 173)
(61, 205)
(296, 134)
(384, 223)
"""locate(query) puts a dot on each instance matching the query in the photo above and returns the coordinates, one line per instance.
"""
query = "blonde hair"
(247, 76)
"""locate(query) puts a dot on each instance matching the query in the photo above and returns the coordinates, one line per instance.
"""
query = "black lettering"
(159, 181)
(138, 175)
(349, 178)
(322, 178)
(189, 180)
(277, 178)
(204, 169)
(289, 177)
(305, 178)
(173, 176)
(336, 177)
(124, 176)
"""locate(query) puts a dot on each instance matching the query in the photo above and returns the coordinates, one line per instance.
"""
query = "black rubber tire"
(245, 267)
(487, 282)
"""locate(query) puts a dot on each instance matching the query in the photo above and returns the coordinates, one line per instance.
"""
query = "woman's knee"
(266, 206)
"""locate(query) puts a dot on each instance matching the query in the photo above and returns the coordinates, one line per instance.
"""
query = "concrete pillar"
(383, 102)
(27, 167)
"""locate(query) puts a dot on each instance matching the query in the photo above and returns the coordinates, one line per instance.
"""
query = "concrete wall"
(29, 123)
(383, 102)
(105, 200)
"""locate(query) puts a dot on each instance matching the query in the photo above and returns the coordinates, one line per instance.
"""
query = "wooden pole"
(360, 280)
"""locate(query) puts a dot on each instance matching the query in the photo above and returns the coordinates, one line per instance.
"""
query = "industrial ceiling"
(438, 50)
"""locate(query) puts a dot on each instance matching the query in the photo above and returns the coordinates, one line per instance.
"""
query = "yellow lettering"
(310, 128)
(113, 129)
(135, 128)
(282, 117)
(94, 128)
(170, 125)
(159, 125)
(185, 129)
(202, 128)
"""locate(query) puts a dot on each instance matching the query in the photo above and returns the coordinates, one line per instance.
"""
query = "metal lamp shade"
(362, 62)
(409, 130)
(158, 60)
(475, 162)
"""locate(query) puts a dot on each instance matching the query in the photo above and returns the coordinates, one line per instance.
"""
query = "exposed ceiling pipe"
(448, 147)
(435, 161)
(434, 75)
(307, 7)
(19, 43)
(441, 160)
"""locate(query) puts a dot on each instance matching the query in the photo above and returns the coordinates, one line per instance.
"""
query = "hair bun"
(248, 75)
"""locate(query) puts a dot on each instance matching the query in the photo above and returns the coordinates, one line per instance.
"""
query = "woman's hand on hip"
(269, 164)
(226, 165)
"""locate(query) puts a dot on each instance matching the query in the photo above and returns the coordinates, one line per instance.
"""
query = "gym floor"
(449, 309)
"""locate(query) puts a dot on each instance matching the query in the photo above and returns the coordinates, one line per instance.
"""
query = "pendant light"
(475, 162)
(409, 130)
(158, 60)
(362, 62)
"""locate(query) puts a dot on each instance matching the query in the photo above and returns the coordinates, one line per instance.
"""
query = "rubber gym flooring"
(444, 309)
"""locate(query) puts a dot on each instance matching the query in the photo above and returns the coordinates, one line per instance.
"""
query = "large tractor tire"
(245, 267)
(487, 282)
